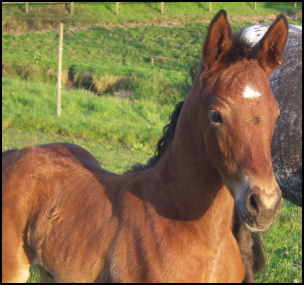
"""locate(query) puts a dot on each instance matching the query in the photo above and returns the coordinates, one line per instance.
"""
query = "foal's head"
(239, 114)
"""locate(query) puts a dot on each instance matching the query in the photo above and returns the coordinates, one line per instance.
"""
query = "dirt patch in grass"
(22, 71)
(114, 84)
(97, 84)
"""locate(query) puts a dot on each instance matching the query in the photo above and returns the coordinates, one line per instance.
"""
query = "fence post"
(162, 7)
(210, 6)
(26, 7)
(295, 4)
(72, 8)
(254, 5)
(117, 7)
(59, 75)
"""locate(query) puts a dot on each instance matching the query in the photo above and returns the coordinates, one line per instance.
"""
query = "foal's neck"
(193, 189)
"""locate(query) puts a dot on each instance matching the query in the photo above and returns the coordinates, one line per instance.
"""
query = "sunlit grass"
(283, 247)
(133, 123)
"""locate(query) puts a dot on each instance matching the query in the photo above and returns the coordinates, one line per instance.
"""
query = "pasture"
(120, 116)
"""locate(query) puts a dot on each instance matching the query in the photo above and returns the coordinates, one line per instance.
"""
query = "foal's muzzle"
(258, 208)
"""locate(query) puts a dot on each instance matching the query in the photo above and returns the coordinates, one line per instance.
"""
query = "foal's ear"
(218, 42)
(269, 50)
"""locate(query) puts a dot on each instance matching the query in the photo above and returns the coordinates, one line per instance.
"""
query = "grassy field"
(86, 14)
(135, 67)
(31, 106)
(145, 59)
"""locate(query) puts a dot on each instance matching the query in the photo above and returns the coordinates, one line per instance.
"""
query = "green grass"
(133, 123)
(121, 55)
(113, 58)
(283, 247)
(113, 157)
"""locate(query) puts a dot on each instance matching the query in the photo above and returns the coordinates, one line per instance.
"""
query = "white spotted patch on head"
(250, 93)
(252, 34)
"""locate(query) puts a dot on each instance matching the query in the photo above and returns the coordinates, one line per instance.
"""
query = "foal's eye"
(215, 116)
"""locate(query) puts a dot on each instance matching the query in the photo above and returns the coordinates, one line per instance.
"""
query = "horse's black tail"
(258, 253)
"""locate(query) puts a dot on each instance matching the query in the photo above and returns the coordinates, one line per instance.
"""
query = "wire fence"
(70, 5)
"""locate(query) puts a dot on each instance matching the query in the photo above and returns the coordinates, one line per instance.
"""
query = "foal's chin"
(256, 230)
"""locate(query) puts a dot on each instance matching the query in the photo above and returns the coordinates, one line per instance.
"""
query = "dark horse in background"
(286, 83)
(171, 222)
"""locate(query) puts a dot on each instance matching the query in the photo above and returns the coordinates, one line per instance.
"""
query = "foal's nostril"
(253, 204)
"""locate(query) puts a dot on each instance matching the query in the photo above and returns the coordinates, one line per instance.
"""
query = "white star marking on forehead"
(250, 93)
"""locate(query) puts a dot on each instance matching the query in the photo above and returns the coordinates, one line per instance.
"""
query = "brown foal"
(168, 223)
